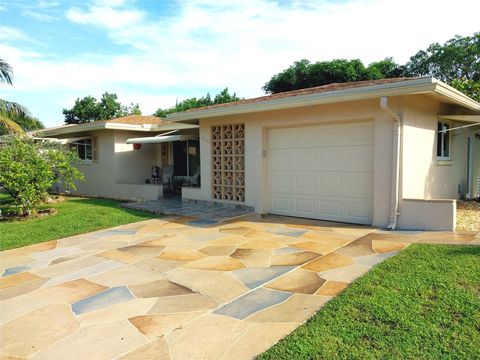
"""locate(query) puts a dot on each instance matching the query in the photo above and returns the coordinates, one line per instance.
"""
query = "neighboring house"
(390, 153)
(117, 164)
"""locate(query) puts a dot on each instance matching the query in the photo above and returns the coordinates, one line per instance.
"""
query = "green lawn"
(422, 304)
(74, 216)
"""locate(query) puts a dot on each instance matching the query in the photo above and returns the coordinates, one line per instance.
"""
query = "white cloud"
(39, 15)
(211, 44)
(105, 16)
(10, 34)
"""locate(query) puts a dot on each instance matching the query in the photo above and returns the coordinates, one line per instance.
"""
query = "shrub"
(29, 168)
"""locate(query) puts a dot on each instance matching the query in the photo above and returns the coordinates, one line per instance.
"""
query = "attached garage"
(322, 172)
(363, 152)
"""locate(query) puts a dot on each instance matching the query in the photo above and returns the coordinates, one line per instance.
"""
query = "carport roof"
(331, 93)
(132, 123)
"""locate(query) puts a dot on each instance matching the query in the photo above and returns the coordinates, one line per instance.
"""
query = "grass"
(422, 304)
(74, 216)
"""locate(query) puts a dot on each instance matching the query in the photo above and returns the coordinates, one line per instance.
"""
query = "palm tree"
(8, 109)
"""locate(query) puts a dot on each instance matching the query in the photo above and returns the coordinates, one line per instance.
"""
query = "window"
(443, 141)
(186, 158)
(83, 147)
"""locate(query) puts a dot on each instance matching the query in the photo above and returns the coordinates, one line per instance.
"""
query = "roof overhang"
(160, 139)
(69, 129)
(408, 87)
(461, 118)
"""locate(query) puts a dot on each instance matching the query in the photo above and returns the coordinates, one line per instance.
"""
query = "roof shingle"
(308, 91)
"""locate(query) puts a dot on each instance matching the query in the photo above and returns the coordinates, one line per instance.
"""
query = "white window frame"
(441, 134)
(78, 143)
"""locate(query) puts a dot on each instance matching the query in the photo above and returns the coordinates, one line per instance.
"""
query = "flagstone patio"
(175, 288)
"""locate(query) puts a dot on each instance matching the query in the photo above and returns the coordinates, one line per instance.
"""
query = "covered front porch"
(159, 166)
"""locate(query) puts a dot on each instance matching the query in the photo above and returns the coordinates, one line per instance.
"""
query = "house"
(392, 153)
(134, 157)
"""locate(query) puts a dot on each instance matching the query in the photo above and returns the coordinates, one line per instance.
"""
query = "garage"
(322, 172)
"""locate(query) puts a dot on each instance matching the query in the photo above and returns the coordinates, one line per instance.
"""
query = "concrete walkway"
(169, 289)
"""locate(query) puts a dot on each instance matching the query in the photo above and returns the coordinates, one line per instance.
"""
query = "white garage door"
(322, 172)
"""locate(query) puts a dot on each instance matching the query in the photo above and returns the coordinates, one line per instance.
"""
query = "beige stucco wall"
(441, 214)
(120, 171)
(133, 166)
(421, 176)
(256, 130)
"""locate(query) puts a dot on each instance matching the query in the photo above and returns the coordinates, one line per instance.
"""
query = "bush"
(28, 169)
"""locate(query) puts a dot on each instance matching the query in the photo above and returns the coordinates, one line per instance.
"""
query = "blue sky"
(154, 52)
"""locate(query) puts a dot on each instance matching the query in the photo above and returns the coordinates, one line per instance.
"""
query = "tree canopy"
(304, 74)
(457, 62)
(90, 109)
(193, 103)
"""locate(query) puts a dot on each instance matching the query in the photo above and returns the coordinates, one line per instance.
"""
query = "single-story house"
(116, 165)
(392, 153)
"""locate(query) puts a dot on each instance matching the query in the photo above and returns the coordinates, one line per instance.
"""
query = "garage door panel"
(302, 138)
(280, 160)
(282, 139)
(361, 134)
(305, 206)
(358, 185)
(328, 159)
(303, 159)
(281, 204)
(303, 183)
(329, 208)
(359, 158)
(322, 172)
(280, 182)
(359, 209)
(329, 136)
(329, 183)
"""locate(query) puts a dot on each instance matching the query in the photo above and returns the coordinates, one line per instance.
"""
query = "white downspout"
(397, 132)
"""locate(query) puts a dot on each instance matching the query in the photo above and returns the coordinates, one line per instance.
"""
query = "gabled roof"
(127, 123)
(336, 92)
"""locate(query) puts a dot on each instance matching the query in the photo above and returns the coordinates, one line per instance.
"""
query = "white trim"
(68, 129)
(74, 142)
(408, 87)
(464, 118)
(469, 166)
(444, 132)
(160, 139)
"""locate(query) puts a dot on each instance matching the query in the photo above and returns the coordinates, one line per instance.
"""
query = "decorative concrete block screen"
(228, 162)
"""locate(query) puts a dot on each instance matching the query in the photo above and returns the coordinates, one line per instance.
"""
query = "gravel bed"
(468, 216)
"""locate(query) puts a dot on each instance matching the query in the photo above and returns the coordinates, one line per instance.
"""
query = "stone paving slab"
(186, 287)
(207, 213)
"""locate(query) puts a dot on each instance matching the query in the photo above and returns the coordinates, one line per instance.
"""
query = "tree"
(90, 109)
(9, 110)
(6, 72)
(28, 123)
(457, 62)
(193, 103)
(25, 122)
(28, 169)
(303, 74)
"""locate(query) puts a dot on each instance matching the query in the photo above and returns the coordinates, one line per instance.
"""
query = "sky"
(156, 52)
